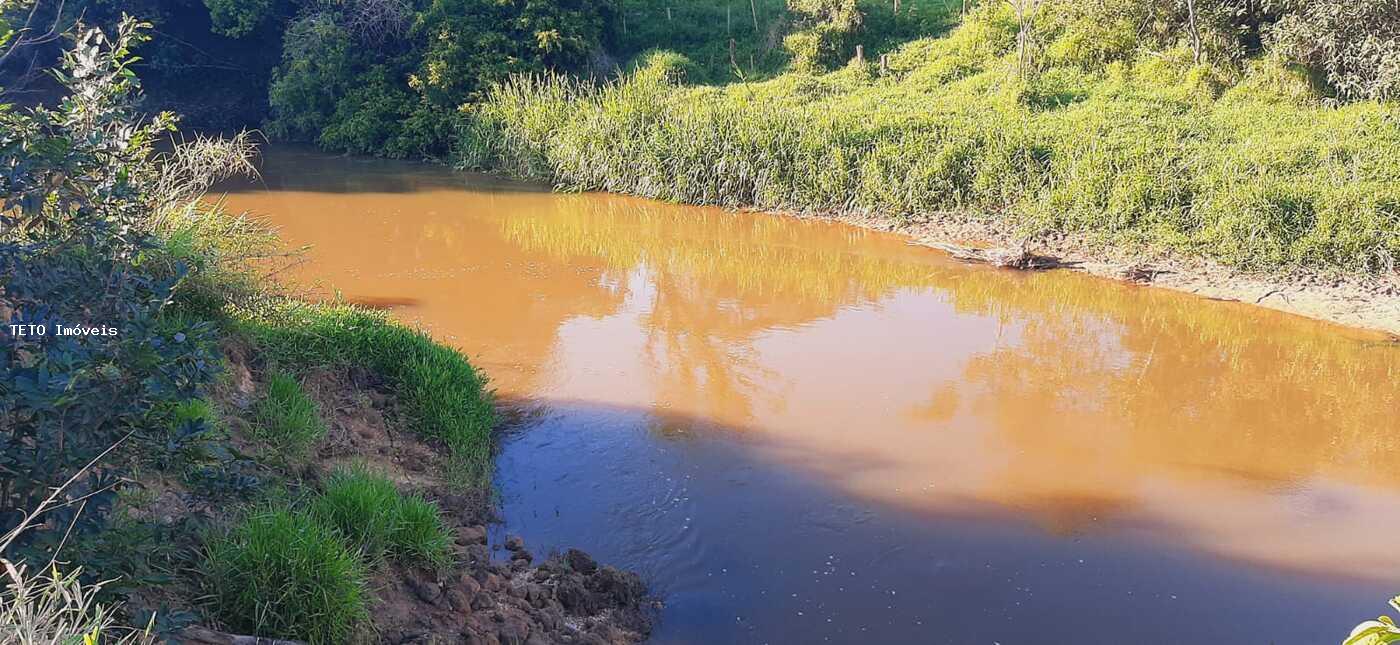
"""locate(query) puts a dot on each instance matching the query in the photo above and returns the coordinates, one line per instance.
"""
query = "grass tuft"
(366, 508)
(286, 417)
(280, 573)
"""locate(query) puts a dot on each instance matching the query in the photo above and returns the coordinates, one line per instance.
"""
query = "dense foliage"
(78, 187)
(373, 77)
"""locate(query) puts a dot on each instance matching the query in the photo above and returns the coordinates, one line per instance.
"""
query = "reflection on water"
(734, 403)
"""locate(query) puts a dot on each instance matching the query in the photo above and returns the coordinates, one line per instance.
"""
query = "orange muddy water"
(800, 431)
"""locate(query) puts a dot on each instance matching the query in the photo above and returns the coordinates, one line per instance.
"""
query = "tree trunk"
(1195, 31)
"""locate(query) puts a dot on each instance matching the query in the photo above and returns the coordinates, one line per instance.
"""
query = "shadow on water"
(692, 505)
(306, 169)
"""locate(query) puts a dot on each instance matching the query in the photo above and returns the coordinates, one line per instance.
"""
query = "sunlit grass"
(1248, 167)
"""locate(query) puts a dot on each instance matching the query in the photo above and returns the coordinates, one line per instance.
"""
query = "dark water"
(804, 432)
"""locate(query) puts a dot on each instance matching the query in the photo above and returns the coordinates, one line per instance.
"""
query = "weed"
(419, 534)
(281, 573)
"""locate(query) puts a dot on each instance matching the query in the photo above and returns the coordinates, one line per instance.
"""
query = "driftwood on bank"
(1010, 258)
(202, 636)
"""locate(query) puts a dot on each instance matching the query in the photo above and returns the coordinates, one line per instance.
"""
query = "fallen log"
(203, 636)
(1010, 258)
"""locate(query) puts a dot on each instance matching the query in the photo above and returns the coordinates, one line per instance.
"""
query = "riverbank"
(1367, 302)
(1238, 179)
(226, 462)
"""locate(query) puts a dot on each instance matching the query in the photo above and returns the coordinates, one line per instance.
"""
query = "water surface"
(800, 431)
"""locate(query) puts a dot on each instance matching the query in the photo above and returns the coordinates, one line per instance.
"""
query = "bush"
(280, 573)
(317, 70)
(286, 417)
(367, 509)
(1356, 44)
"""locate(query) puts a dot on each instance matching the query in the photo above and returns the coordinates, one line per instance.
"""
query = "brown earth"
(1363, 301)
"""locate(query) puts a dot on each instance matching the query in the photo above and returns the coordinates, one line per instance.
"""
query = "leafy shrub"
(377, 117)
(824, 29)
(366, 508)
(286, 417)
(236, 18)
(1356, 44)
(1381, 631)
(282, 574)
(317, 69)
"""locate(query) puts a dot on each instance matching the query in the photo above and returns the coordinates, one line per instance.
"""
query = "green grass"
(444, 397)
(286, 418)
(280, 573)
(366, 508)
(1119, 145)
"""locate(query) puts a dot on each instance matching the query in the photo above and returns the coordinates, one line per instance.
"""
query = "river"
(799, 431)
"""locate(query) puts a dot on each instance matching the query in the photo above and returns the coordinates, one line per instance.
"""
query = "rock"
(515, 543)
(574, 597)
(426, 591)
(536, 595)
(459, 600)
(580, 561)
(469, 535)
(514, 629)
(478, 554)
(622, 588)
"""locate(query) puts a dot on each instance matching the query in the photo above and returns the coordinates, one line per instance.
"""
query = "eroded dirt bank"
(515, 598)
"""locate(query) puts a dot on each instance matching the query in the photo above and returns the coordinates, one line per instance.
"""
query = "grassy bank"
(1115, 141)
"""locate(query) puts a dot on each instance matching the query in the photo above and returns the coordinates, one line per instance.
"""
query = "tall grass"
(444, 397)
(281, 573)
(1248, 167)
